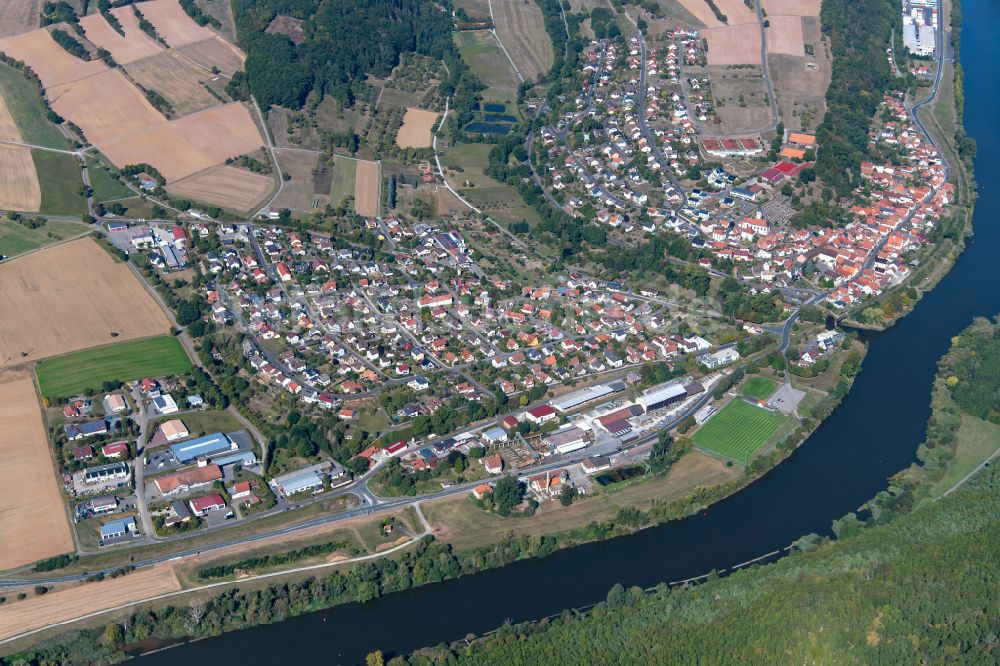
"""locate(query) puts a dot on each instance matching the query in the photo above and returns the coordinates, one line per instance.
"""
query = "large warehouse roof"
(202, 446)
(659, 395)
(585, 395)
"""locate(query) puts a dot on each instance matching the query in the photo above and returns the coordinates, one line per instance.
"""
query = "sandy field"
(51, 62)
(367, 188)
(19, 188)
(225, 186)
(521, 28)
(17, 617)
(177, 78)
(736, 11)
(69, 297)
(416, 129)
(135, 45)
(733, 45)
(172, 24)
(785, 35)
(33, 521)
(791, 7)
(17, 16)
(215, 51)
(189, 144)
(105, 106)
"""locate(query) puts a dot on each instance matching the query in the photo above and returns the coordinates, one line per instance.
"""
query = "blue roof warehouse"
(208, 445)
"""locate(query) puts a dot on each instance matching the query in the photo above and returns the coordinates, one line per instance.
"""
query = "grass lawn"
(150, 357)
(104, 181)
(977, 441)
(738, 430)
(16, 238)
(759, 387)
(25, 105)
(202, 423)
(59, 177)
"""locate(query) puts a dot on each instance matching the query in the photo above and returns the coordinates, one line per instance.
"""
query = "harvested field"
(105, 106)
(80, 286)
(521, 27)
(32, 513)
(134, 45)
(177, 78)
(416, 130)
(189, 144)
(733, 45)
(52, 64)
(800, 82)
(367, 188)
(172, 24)
(222, 10)
(215, 52)
(300, 191)
(791, 7)
(225, 186)
(701, 11)
(785, 35)
(17, 16)
(19, 188)
(736, 11)
(69, 603)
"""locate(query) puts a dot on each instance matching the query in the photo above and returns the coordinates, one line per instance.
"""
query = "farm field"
(172, 24)
(189, 144)
(344, 176)
(300, 190)
(133, 46)
(25, 107)
(733, 44)
(367, 188)
(800, 81)
(17, 16)
(59, 176)
(32, 513)
(17, 239)
(759, 387)
(791, 7)
(417, 128)
(17, 617)
(19, 187)
(119, 108)
(225, 186)
(738, 430)
(214, 52)
(521, 27)
(53, 65)
(80, 286)
(484, 57)
(177, 79)
(65, 376)
(785, 35)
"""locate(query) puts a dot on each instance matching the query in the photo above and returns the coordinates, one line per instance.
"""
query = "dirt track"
(68, 297)
(33, 522)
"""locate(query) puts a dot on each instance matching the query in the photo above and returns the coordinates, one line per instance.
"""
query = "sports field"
(150, 357)
(759, 387)
(738, 430)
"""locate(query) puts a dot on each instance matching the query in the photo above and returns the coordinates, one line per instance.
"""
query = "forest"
(858, 34)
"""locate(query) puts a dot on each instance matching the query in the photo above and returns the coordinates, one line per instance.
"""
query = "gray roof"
(202, 446)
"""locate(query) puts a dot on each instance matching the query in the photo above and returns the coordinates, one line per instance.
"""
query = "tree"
(567, 494)
(374, 658)
(507, 494)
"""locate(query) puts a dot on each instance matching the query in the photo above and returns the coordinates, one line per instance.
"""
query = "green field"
(25, 106)
(760, 387)
(65, 376)
(738, 430)
(977, 440)
(106, 185)
(59, 177)
(16, 238)
(481, 52)
(342, 185)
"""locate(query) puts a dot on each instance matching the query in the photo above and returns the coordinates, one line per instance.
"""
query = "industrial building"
(571, 401)
(308, 478)
(567, 440)
(201, 447)
(662, 397)
(118, 528)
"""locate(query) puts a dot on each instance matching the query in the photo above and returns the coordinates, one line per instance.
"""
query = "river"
(873, 434)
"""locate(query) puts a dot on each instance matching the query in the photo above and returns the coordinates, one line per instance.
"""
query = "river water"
(873, 434)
